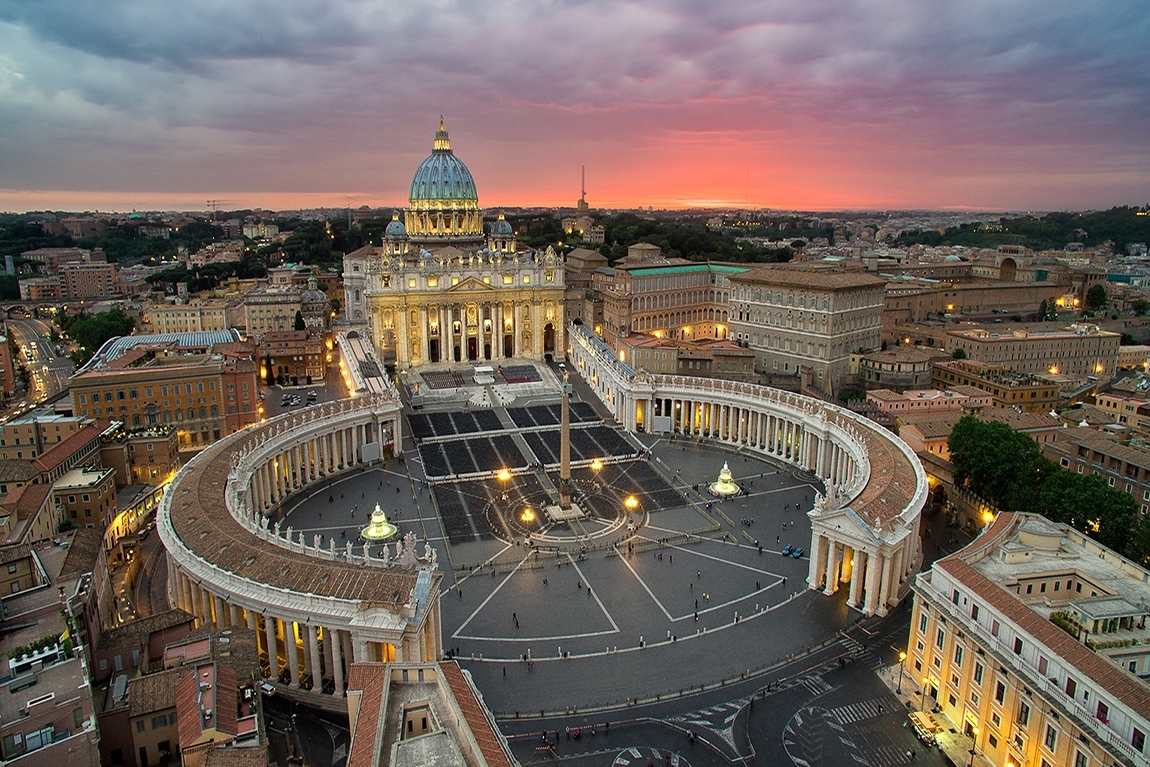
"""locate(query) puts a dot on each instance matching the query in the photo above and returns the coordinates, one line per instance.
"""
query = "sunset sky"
(791, 104)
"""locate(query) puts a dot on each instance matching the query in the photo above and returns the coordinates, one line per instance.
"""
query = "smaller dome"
(395, 228)
(952, 258)
(502, 228)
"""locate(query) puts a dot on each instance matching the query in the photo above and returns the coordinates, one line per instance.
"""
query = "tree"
(1043, 310)
(269, 377)
(299, 323)
(91, 331)
(335, 304)
(995, 461)
(1141, 306)
(1096, 297)
(959, 354)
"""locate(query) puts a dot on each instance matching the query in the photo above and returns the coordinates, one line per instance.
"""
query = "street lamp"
(901, 667)
(924, 681)
(973, 743)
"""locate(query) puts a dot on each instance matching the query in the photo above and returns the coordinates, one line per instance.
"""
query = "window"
(940, 638)
(1023, 714)
(141, 725)
(11, 569)
(1081, 759)
(974, 612)
(999, 692)
(1138, 740)
(922, 623)
(1051, 739)
(994, 628)
(159, 721)
(1042, 665)
(1017, 646)
(954, 597)
(958, 656)
(1071, 687)
(992, 740)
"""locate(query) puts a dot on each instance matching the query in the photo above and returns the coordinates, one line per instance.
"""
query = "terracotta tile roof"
(87, 544)
(152, 693)
(190, 722)
(15, 553)
(27, 500)
(205, 526)
(370, 679)
(1103, 673)
(134, 631)
(814, 279)
(227, 701)
(17, 470)
(490, 742)
(234, 757)
(62, 451)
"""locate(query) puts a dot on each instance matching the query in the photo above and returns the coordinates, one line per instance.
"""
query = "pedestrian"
(778, 539)
(505, 674)
(698, 573)
(544, 581)
(461, 593)
(784, 580)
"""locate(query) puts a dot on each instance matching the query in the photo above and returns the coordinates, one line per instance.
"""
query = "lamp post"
(973, 743)
(901, 668)
(924, 681)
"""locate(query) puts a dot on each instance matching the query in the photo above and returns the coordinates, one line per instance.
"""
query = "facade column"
(818, 561)
(873, 571)
(857, 575)
(221, 614)
(252, 620)
(885, 577)
(292, 652)
(336, 659)
(359, 649)
(832, 567)
(273, 650)
(313, 653)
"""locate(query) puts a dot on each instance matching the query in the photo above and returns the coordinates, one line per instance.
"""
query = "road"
(48, 372)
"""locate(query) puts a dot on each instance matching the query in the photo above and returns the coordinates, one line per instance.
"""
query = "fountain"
(379, 529)
(724, 486)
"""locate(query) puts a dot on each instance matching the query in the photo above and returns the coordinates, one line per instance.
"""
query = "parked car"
(798, 552)
(786, 549)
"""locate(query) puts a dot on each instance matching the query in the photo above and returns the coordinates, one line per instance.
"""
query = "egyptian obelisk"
(565, 448)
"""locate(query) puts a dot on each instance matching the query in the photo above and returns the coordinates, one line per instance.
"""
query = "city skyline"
(825, 106)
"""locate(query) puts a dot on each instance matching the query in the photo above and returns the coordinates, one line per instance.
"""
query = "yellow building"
(1034, 641)
(440, 290)
(188, 318)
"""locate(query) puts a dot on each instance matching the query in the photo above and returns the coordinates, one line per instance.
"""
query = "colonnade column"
(292, 652)
(873, 572)
(818, 560)
(273, 650)
(313, 652)
(856, 577)
(336, 642)
(832, 567)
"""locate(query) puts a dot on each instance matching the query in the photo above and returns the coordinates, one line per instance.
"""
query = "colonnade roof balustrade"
(200, 531)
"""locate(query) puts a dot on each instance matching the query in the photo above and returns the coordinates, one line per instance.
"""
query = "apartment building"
(1080, 350)
(146, 381)
(188, 318)
(708, 358)
(88, 279)
(271, 308)
(929, 401)
(1033, 640)
(87, 495)
(794, 316)
(297, 354)
(34, 432)
(1090, 451)
(1008, 388)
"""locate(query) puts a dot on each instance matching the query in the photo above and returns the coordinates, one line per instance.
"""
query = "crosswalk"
(857, 712)
(642, 756)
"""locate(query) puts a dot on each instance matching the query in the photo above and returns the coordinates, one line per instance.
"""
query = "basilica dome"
(444, 205)
(442, 176)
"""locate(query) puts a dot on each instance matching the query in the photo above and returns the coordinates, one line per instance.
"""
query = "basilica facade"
(439, 289)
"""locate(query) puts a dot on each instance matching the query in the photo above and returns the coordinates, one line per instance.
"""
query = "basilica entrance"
(472, 349)
(548, 338)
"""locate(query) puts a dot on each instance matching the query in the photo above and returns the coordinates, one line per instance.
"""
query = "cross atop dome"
(442, 142)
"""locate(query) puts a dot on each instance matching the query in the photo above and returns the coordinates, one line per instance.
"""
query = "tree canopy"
(1007, 468)
(90, 331)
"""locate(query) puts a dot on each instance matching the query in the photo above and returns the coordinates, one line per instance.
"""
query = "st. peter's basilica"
(440, 290)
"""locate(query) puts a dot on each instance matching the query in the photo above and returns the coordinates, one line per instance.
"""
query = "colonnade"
(872, 573)
(310, 459)
(779, 435)
(310, 625)
(864, 526)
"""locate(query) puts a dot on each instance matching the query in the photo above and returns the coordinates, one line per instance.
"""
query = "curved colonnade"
(864, 530)
(316, 607)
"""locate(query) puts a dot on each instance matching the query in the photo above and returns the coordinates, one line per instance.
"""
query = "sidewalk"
(954, 746)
